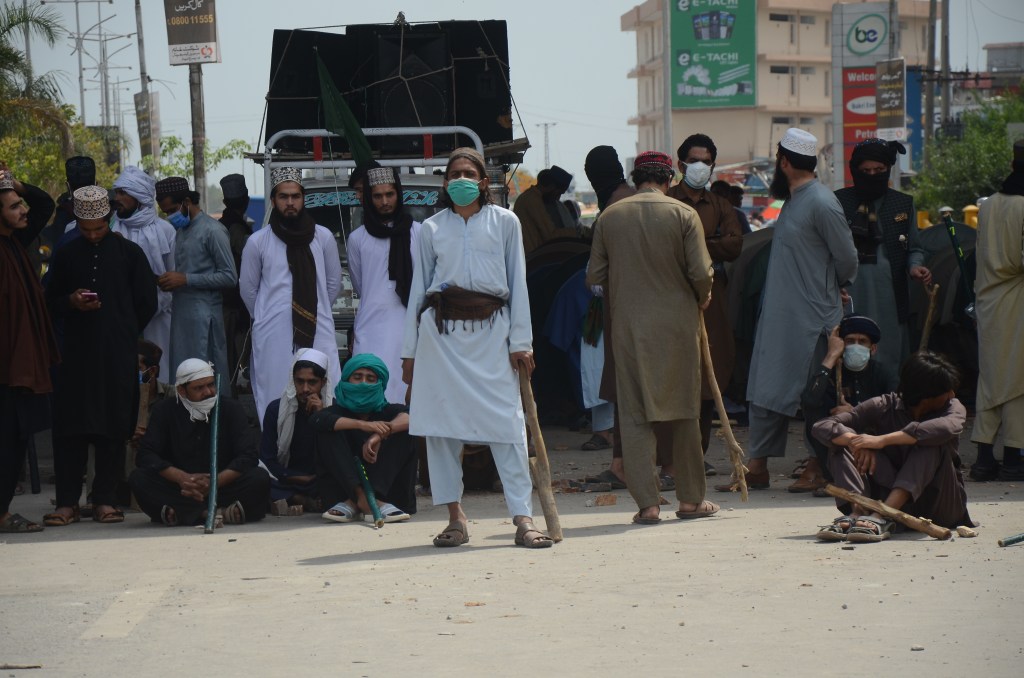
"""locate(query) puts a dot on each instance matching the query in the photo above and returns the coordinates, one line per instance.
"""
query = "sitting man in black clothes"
(287, 447)
(361, 423)
(854, 341)
(172, 480)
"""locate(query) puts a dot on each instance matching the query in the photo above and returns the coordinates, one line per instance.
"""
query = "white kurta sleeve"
(332, 267)
(520, 333)
(355, 262)
(249, 276)
(423, 265)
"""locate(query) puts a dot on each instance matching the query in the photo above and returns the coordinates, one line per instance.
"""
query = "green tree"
(961, 170)
(176, 156)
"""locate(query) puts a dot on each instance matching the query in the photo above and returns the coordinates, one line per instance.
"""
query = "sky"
(568, 61)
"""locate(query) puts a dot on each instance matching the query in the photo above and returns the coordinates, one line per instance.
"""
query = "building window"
(828, 32)
(807, 20)
(781, 120)
(807, 70)
(828, 83)
(780, 70)
(807, 121)
(780, 17)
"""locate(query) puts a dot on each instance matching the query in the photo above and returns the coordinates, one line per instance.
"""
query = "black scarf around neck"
(297, 235)
(400, 234)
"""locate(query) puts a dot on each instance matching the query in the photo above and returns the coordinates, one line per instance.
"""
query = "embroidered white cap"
(91, 202)
(283, 174)
(800, 141)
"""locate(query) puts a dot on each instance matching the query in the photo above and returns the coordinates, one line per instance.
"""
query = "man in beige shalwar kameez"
(650, 255)
(999, 288)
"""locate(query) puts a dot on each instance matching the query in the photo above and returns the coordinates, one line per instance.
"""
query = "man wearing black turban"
(884, 226)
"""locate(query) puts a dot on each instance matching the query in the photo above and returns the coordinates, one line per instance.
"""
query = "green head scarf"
(363, 397)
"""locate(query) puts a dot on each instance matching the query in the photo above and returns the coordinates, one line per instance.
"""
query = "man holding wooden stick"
(649, 253)
(900, 448)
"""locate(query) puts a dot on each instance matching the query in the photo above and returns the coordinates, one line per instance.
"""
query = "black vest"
(896, 217)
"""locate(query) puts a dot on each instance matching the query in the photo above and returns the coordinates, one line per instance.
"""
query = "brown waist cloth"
(457, 303)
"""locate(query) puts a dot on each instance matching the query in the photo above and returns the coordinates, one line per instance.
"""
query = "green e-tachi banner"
(714, 53)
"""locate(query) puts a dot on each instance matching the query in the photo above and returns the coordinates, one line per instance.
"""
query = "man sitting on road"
(172, 480)
(900, 448)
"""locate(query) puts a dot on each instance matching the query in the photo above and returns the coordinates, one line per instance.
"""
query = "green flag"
(338, 117)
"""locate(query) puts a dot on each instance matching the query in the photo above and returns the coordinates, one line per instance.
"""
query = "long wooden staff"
(539, 465)
(919, 524)
(736, 455)
(211, 506)
(933, 293)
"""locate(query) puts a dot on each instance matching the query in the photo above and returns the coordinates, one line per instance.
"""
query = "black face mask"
(870, 187)
(780, 183)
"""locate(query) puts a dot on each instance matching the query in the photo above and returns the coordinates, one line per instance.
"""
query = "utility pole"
(28, 47)
(78, 36)
(547, 148)
(144, 82)
(195, 86)
(929, 81)
(894, 32)
(947, 87)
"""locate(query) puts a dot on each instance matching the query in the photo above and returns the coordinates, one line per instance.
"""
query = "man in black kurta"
(172, 480)
(102, 287)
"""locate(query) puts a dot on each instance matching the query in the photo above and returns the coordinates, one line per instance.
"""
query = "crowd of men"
(443, 332)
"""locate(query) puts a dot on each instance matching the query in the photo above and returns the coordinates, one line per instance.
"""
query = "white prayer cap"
(312, 355)
(800, 141)
(191, 370)
(91, 202)
(283, 174)
(6, 181)
(376, 176)
(945, 208)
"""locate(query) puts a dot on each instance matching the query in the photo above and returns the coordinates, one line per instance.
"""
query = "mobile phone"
(90, 296)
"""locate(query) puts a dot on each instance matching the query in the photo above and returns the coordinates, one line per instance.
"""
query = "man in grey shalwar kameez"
(205, 266)
(812, 257)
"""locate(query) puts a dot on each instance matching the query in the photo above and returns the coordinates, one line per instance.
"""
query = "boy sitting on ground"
(900, 448)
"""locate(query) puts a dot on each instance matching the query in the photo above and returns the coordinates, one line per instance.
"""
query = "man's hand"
(380, 428)
(371, 448)
(922, 274)
(19, 188)
(171, 280)
(524, 360)
(836, 346)
(707, 302)
(81, 303)
(314, 404)
(195, 485)
(407, 365)
(842, 408)
(864, 460)
(866, 442)
(137, 436)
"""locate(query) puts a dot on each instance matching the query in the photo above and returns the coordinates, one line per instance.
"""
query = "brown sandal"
(115, 515)
(540, 541)
(456, 534)
(57, 519)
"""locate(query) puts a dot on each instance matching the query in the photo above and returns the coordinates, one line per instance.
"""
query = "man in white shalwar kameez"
(380, 265)
(290, 277)
(812, 258)
(467, 332)
(135, 202)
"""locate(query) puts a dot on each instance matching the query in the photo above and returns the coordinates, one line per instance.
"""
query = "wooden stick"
(736, 455)
(919, 524)
(933, 293)
(839, 382)
(211, 500)
(539, 465)
(1010, 541)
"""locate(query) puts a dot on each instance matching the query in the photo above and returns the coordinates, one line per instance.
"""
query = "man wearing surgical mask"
(724, 239)
(852, 346)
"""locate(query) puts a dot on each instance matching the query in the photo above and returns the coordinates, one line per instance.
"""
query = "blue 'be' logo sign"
(867, 34)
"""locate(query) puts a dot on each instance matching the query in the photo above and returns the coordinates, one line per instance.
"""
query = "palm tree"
(24, 98)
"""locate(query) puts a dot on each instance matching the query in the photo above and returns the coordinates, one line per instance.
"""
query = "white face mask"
(199, 410)
(856, 357)
(697, 175)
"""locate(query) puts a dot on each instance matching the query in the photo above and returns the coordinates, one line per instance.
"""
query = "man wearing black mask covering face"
(889, 253)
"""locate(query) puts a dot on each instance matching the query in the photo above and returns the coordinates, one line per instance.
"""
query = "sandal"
(389, 513)
(114, 515)
(344, 513)
(838, 530)
(666, 483)
(798, 470)
(168, 516)
(19, 523)
(596, 442)
(234, 514)
(456, 534)
(638, 519)
(880, 530)
(704, 509)
(539, 541)
(57, 519)
(606, 476)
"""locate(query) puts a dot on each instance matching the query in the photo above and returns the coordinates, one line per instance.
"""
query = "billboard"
(713, 53)
(147, 114)
(192, 31)
(891, 100)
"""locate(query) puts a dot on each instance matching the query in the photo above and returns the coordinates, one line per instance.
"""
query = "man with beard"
(27, 346)
(812, 258)
(543, 217)
(236, 315)
(380, 264)
(203, 267)
(172, 479)
(999, 304)
(291, 275)
(101, 288)
(134, 202)
(889, 253)
(724, 240)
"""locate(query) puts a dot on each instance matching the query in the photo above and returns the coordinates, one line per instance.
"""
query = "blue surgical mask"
(179, 220)
(856, 357)
(463, 191)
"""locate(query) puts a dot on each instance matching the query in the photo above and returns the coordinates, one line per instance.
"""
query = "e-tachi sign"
(192, 31)
(714, 53)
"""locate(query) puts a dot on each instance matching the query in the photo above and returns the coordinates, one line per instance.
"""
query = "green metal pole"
(211, 506)
(371, 498)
